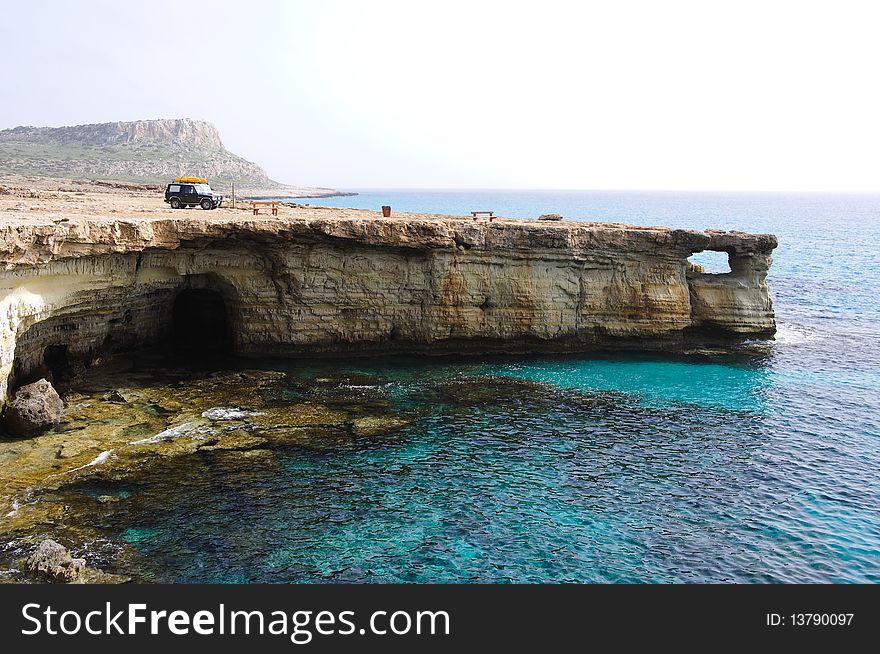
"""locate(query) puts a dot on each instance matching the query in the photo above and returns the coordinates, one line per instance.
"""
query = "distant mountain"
(138, 151)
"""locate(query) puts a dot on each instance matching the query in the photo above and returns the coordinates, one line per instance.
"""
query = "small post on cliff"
(233, 195)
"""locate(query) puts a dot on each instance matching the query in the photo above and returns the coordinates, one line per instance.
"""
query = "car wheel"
(206, 204)
(175, 203)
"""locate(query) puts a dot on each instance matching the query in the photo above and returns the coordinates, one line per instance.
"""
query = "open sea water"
(754, 467)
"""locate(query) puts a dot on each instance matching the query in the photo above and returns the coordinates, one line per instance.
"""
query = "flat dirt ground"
(23, 197)
(30, 200)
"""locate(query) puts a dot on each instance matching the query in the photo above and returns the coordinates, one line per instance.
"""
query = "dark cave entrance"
(57, 363)
(201, 325)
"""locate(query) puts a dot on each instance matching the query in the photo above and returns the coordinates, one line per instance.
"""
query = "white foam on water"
(15, 507)
(98, 460)
(792, 334)
(26, 496)
(227, 413)
(169, 434)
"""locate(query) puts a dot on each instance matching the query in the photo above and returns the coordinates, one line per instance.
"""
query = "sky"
(673, 95)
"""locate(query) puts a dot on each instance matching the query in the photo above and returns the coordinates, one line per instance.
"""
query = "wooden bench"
(491, 214)
(256, 206)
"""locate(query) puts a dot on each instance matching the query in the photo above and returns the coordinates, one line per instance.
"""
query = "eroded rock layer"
(314, 281)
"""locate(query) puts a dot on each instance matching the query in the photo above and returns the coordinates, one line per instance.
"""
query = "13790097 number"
(809, 619)
(821, 619)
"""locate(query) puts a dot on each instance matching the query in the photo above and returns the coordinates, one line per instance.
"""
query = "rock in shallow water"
(53, 560)
(77, 446)
(35, 408)
(115, 396)
(378, 425)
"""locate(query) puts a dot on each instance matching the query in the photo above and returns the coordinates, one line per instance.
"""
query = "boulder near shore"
(34, 408)
(52, 560)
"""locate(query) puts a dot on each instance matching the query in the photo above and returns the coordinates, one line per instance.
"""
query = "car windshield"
(203, 189)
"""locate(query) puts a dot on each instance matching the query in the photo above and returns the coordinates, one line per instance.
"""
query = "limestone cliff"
(142, 151)
(316, 280)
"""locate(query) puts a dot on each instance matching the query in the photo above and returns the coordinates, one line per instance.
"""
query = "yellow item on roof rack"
(191, 180)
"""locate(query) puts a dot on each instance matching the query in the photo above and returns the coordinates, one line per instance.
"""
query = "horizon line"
(595, 190)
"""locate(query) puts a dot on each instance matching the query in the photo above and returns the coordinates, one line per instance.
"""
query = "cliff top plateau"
(39, 225)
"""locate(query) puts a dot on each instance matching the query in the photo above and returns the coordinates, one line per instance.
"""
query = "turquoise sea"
(759, 466)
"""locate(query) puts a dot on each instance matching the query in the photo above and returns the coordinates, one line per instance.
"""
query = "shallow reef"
(124, 425)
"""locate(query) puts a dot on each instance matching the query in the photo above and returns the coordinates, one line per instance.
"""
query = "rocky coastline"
(85, 278)
(90, 277)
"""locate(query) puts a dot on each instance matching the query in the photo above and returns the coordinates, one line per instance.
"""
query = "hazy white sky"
(595, 95)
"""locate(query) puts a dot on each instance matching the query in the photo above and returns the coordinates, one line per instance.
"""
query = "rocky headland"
(140, 151)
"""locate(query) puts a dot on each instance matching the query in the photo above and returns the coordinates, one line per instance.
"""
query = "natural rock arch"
(710, 262)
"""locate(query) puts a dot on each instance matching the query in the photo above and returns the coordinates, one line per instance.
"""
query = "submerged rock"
(52, 560)
(233, 440)
(378, 425)
(320, 439)
(35, 408)
(77, 446)
(492, 391)
(97, 576)
(302, 414)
